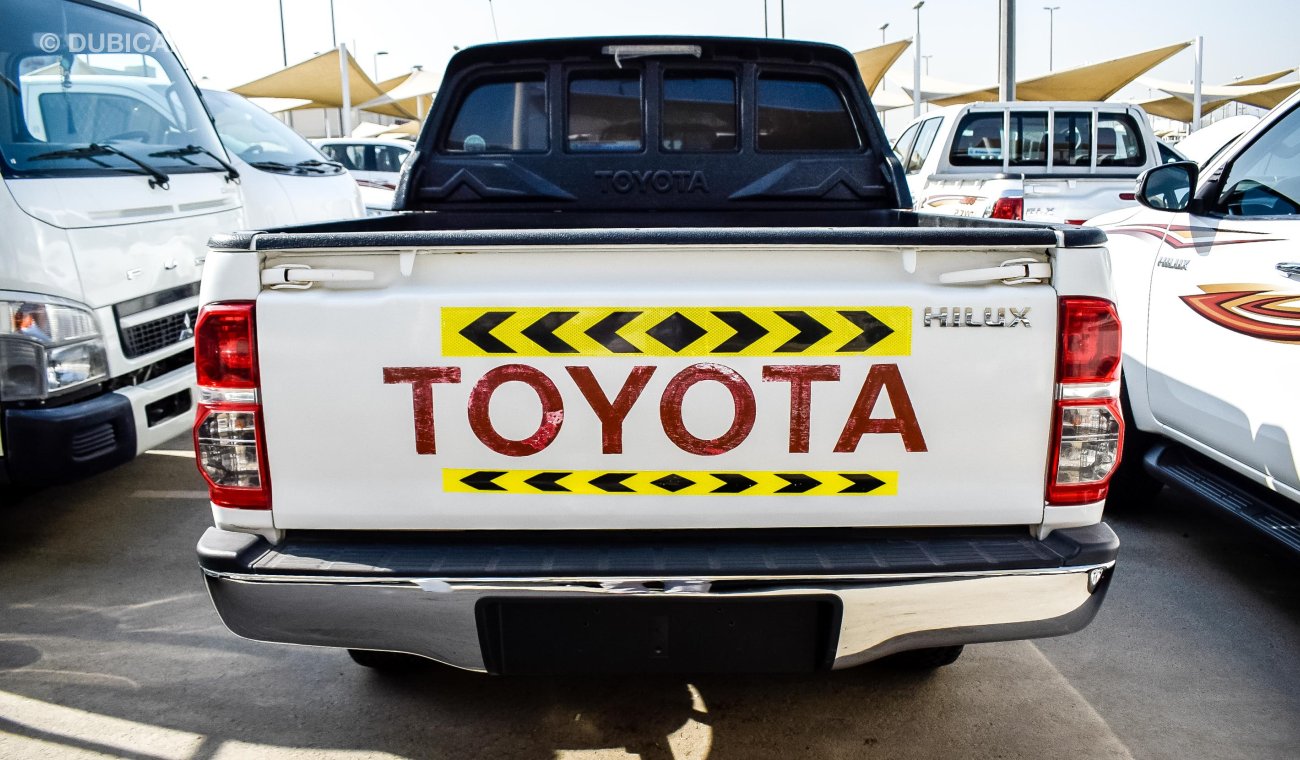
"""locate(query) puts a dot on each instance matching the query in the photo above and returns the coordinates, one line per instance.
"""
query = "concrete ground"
(109, 647)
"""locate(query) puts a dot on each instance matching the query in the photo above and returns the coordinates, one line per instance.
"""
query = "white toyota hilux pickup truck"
(651, 373)
(1208, 279)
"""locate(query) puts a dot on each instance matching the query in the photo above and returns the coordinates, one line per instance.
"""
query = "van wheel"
(387, 662)
(926, 659)
(1132, 487)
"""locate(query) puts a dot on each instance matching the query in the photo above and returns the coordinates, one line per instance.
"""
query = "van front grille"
(158, 334)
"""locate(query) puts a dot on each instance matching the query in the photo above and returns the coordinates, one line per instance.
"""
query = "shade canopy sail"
(1097, 81)
(406, 91)
(1263, 91)
(319, 80)
(278, 105)
(874, 62)
(888, 98)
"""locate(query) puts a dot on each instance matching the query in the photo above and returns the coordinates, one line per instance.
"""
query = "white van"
(1065, 162)
(285, 179)
(114, 179)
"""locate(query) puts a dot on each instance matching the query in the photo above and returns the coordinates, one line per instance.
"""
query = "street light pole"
(493, 13)
(334, 37)
(1051, 34)
(927, 63)
(883, 27)
(376, 62)
(916, 68)
(284, 48)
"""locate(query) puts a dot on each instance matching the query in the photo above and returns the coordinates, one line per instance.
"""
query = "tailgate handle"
(301, 276)
(1013, 272)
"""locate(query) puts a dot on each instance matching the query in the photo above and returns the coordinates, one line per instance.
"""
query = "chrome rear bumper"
(435, 617)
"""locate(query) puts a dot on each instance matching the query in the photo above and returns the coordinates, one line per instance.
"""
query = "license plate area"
(658, 635)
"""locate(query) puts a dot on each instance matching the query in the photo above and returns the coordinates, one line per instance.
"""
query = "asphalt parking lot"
(109, 647)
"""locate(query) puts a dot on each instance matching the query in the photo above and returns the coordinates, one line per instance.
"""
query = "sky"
(234, 41)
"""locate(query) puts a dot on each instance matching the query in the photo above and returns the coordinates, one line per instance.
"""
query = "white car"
(1208, 278)
(1063, 162)
(285, 180)
(375, 163)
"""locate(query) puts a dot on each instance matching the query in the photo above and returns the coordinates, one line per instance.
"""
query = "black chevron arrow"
(873, 331)
(483, 480)
(546, 481)
(810, 331)
(612, 482)
(542, 332)
(733, 482)
(479, 332)
(605, 332)
(747, 331)
(799, 482)
(862, 482)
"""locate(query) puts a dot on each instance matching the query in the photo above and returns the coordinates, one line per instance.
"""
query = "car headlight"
(47, 348)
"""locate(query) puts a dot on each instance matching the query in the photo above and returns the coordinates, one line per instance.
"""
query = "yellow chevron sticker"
(670, 482)
(677, 331)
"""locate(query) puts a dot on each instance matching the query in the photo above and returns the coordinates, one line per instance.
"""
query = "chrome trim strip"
(158, 312)
(596, 580)
(436, 618)
(1087, 391)
(209, 395)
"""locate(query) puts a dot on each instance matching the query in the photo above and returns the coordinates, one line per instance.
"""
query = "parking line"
(198, 495)
(172, 453)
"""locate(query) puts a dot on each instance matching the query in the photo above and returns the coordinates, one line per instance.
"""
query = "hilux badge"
(966, 316)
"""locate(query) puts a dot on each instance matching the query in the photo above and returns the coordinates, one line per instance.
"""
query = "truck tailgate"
(559, 387)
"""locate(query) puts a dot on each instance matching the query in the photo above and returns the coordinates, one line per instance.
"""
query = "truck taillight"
(1088, 429)
(229, 440)
(1008, 207)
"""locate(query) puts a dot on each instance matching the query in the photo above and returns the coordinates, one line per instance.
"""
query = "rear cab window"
(982, 136)
(803, 114)
(1119, 141)
(503, 116)
(699, 112)
(605, 112)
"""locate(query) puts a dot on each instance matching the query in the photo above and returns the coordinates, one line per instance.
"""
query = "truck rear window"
(1119, 141)
(979, 140)
(605, 113)
(803, 114)
(699, 112)
(501, 117)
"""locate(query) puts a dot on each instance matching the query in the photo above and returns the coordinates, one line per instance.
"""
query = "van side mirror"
(1169, 187)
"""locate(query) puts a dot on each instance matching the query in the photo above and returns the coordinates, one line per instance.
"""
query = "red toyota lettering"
(670, 409)
(422, 380)
(903, 422)
(611, 414)
(480, 420)
(800, 378)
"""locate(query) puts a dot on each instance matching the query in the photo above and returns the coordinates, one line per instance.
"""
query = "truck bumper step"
(475, 612)
(1206, 482)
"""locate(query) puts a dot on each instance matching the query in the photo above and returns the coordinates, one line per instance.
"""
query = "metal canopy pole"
(1006, 50)
(916, 63)
(345, 113)
(1196, 85)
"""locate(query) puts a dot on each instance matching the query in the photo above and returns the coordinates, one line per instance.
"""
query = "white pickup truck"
(1061, 162)
(650, 373)
(1208, 278)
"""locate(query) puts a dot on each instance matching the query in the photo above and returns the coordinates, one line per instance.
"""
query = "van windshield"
(75, 76)
(262, 140)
